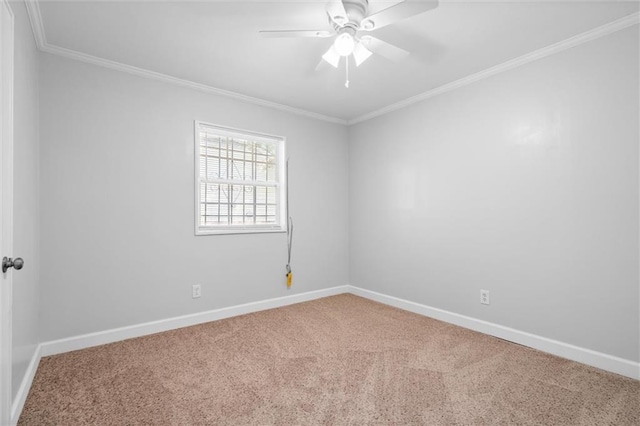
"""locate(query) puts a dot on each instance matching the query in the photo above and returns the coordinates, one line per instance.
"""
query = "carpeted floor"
(341, 360)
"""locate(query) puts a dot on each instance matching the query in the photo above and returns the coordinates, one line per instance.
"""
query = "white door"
(6, 207)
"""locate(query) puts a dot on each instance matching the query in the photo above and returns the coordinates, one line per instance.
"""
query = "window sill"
(232, 231)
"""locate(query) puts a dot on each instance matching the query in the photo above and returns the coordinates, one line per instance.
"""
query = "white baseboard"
(565, 350)
(25, 385)
(115, 335)
(575, 353)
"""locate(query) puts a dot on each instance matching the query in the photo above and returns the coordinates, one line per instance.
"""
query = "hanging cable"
(289, 274)
(289, 243)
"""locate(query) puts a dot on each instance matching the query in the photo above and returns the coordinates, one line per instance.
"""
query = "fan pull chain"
(346, 83)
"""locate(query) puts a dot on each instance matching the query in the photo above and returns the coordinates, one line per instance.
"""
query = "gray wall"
(117, 203)
(524, 184)
(26, 197)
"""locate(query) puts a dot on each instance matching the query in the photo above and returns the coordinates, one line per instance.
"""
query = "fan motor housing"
(356, 11)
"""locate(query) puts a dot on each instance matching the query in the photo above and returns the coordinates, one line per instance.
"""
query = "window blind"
(239, 180)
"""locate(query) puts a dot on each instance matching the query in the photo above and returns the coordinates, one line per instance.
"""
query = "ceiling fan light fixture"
(332, 57)
(361, 54)
(344, 44)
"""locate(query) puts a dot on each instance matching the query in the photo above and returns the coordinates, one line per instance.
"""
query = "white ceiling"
(216, 44)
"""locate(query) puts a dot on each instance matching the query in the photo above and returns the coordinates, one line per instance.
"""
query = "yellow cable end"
(289, 279)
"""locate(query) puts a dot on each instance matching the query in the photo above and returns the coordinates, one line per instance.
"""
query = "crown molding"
(577, 40)
(35, 18)
(141, 72)
(38, 31)
(33, 10)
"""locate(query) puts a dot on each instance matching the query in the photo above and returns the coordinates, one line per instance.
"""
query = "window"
(240, 185)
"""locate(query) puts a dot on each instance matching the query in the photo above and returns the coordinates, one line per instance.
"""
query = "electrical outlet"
(484, 297)
(196, 291)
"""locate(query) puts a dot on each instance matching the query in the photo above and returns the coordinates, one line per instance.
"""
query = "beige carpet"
(342, 360)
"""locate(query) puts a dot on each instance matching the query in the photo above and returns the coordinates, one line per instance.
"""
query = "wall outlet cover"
(196, 291)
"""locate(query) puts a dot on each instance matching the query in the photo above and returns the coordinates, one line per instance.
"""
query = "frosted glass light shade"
(332, 57)
(344, 44)
(360, 54)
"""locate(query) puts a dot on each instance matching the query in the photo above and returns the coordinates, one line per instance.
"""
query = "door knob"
(7, 263)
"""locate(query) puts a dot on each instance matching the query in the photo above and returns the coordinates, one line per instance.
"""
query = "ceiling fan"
(351, 22)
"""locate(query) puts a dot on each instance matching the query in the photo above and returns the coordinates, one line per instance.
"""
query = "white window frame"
(280, 184)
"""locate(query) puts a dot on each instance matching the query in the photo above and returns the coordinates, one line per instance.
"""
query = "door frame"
(6, 204)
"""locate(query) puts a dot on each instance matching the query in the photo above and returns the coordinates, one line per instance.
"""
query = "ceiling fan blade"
(296, 33)
(337, 12)
(384, 49)
(397, 12)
